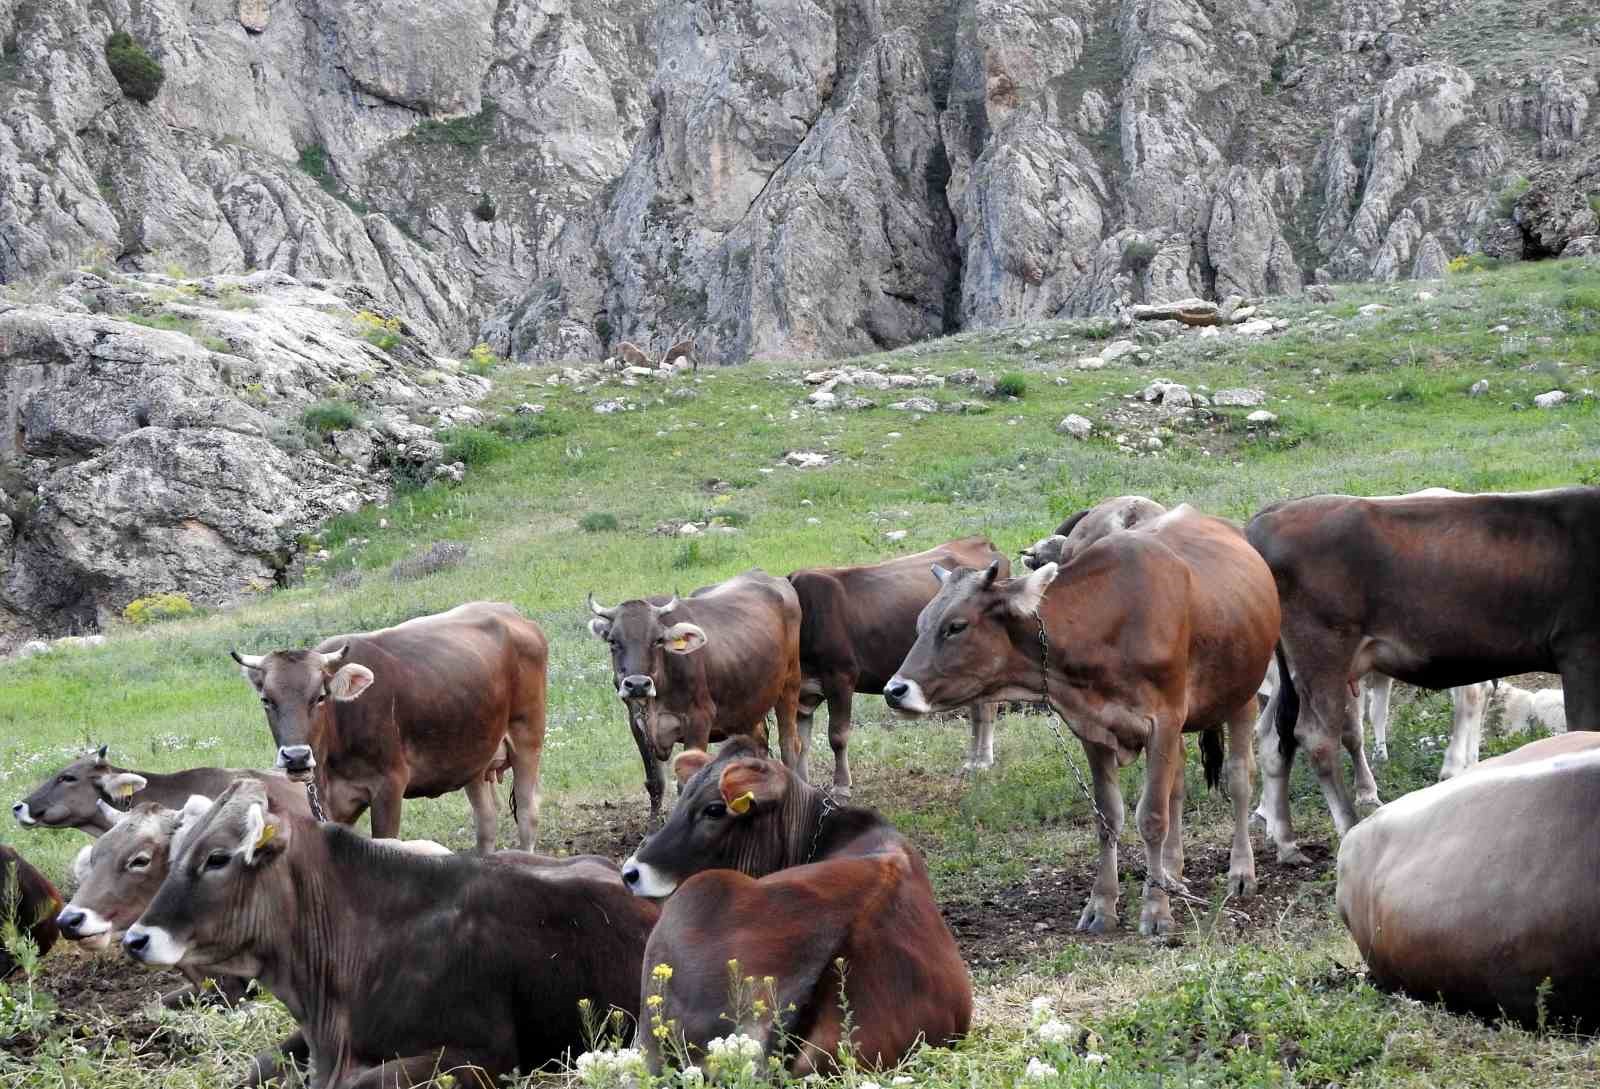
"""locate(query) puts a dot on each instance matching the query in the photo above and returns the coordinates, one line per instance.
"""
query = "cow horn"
(249, 661)
(334, 658)
(600, 610)
(991, 573)
(663, 610)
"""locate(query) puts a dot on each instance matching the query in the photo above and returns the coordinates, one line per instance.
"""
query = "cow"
(28, 900)
(1525, 710)
(763, 869)
(1138, 638)
(1481, 890)
(705, 668)
(413, 711)
(857, 624)
(1082, 529)
(393, 964)
(1437, 590)
(72, 797)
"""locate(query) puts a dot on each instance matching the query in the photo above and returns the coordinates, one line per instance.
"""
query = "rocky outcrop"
(1552, 213)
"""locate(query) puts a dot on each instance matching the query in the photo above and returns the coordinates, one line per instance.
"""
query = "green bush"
(472, 445)
(1509, 195)
(138, 73)
(468, 133)
(1011, 384)
(481, 360)
(378, 330)
(156, 607)
(325, 417)
(485, 210)
(314, 161)
(598, 521)
(1138, 255)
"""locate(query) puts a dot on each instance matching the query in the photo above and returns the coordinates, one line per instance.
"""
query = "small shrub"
(168, 323)
(598, 521)
(485, 210)
(138, 73)
(216, 344)
(525, 427)
(472, 445)
(1138, 255)
(157, 607)
(325, 417)
(314, 161)
(1594, 203)
(1011, 384)
(467, 133)
(481, 360)
(1509, 195)
(378, 330)
(231, 298)
(439, 556)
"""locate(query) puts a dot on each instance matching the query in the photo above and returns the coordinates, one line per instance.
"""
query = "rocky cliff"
(794, 177)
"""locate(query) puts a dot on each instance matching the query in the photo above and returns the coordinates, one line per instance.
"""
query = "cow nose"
(296, 758)
(69, 921)
(20, 811)
(630, 876)
(894, 692)
(135, 942)
(638, 685)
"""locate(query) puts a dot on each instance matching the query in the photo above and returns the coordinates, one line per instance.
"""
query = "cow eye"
(318, 698)
(955, 627)
(69, 778)
(217, 859)
(267, 703)
(715, 811)
(139, 862)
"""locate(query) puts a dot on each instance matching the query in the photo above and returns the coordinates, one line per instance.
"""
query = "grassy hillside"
(1368, 403)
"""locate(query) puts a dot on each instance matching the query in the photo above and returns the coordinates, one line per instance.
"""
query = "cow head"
(72, 797)
(119, 873)
(974, 642)
(217, 898)
(734, 812)
(298, 689)
(640, 636)
(1088, 526)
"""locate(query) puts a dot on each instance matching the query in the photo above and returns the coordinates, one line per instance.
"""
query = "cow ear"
(122, 784)
(683, 638)
(350, 682)
(688, 764)
(750, 782)
(265, 835)
(940, 573)
(188, 817)
(599, 627)
(1027, 593)
(80, 865)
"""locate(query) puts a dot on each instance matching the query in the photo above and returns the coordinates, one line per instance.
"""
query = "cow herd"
(1135, 624)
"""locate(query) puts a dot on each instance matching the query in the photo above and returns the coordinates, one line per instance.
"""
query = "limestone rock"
(1187, 311)
(1551, 214)
(1239, 398)
(1078, 427)
(1554, 399)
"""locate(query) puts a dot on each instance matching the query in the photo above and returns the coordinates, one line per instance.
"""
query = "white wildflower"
(1042, 1008)
(1094, 1058)
(1056, 1032)
(1040, 1071)
(903, 1079)
(691, 1075)
(623, 1067)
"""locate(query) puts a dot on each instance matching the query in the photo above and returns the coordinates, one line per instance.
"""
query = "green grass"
(325, 417)
(170, 323)
(566, 501)
(466, 133)
(1011, 384)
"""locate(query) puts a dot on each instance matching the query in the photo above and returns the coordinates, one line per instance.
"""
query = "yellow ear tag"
(741, 804)
(267, 833)
(680, 643)
(125, 790)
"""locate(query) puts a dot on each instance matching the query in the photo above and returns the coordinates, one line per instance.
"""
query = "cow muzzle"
(645, 880)
(84, 925)
(637, 686)
(23, 814)
(297, 761)
(906, 696)
(152, 945)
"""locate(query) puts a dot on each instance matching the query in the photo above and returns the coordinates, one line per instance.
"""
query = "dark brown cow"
(1482, 890)
(445, 692)
(763, 869)
(857, 623)
(1146, 634)
(396, 965)
(1084, 528)
(35, 908)
(72, 797)
(1437, 590)
(706, 667)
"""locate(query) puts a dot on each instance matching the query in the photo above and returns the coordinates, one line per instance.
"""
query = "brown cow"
(445, 691)
(857, 624)
(35, 907)
(1481, 890)
(1084, 528)
(763, 869)
(1436, 589)
(72, 797)
(706, 667)
(1146, 634)
(396, 965)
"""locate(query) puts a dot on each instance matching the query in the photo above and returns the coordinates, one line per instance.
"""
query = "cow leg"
(1468, 704)
(1100, 914)
(275, 1063)
(386, 808)
(527, 752)
(480, 795)
(1379, 687)
(790, 743)
(1241, 858)
(1580, 688)
(839, 712)
(1273, 812)
(1328, 716)
(421, 1070)
(655, 773)
(1366, 785)
(1172, 846)
(1163, 757)
(980, 751)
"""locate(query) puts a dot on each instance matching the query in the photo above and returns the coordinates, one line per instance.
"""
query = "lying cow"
(1437, 590)
(1140, 637)
(1084, 528)
(395, 966)
(445, 691)
(35, 907)
(857, 624)
(1463, 891)
(763, 869)
(1524, 710)
(73, 796)
(706, 667)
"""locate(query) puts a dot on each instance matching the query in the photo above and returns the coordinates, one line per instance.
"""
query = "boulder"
(1552, 213)
(1239, 398)
(1554, 399)
(1078, 427)
(1187, 311)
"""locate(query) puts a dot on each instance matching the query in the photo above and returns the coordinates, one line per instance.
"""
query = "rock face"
(171, 455)
(788, 177)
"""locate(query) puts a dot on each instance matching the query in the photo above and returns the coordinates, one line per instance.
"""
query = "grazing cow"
(857, 624)
(1526, 710)
(413, 711)
(1437, 590)
(35, 906)
(395, 965)
(764, 870)
(706, 667)
(1083, 529)
(1481, 890)
(72, 797)
(1145, 634)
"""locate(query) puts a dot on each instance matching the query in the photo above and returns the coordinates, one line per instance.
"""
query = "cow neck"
(336, 746)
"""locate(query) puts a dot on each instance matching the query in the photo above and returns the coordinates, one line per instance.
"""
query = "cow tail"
(1211, 752)
(1288, 709)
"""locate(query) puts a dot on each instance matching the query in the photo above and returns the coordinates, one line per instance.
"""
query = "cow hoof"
(1291, 855)
(840, 793)
(1155, 924)
(1095, 921)
(1380, 756)
(1259, 820)
(1241, 884)
(1370, 800)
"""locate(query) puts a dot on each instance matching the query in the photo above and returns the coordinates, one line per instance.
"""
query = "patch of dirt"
(611, 829)
(99, 996)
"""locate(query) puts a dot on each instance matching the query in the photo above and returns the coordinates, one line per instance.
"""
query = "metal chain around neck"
(828, 806)
(1055, 728)
(315, 802)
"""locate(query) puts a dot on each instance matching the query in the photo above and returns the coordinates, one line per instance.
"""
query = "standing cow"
(763, 869)
(857, 623)
(1435, 589)
(706, 667)
(413, 711)
(1138, 638)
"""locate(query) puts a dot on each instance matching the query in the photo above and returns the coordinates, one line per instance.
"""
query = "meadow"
(1267, 992)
